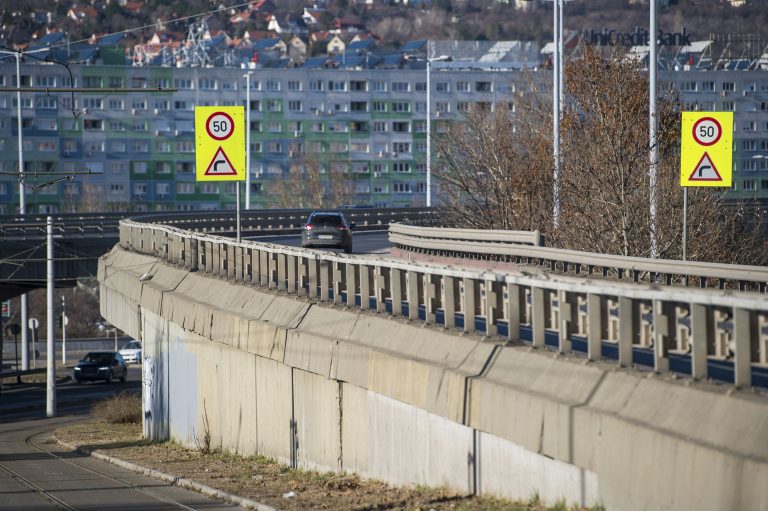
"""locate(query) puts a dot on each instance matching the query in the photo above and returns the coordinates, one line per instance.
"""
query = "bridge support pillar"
(350, 283)
(515, 301)
(538, 316)
(597, 325)
(628, 325)
(396, 291)
(568, 321)
(470, 299)
(744, 324)
(449, 301)
(702, 329)
(412, 294)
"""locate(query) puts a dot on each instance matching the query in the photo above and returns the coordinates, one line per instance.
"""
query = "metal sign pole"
(237, 183)
(685, 223)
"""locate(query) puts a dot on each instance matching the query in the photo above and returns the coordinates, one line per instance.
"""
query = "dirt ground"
(269, 482)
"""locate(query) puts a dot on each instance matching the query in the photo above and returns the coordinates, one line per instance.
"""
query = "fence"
(706, 333)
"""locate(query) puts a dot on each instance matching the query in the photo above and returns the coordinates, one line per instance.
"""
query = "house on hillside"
(79, 13)
(297, 50)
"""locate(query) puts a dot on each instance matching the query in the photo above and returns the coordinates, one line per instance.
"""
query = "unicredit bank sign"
(640, 37)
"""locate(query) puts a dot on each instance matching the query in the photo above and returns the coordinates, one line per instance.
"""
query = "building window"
(380, 126)
(185, 146)
(316, 85)
(729, 86)
(749, 185)
(401, 87)
(401, 147)
(443, 107)
(294, 85)
(401, 106)
(401, 187)
(358, 86)
(337, 85)
(420, 107)
(401, 127)
(442, 87)
(379, 106)
(163, 167)
(687, 86)
(401, 167)
(93, 124)
(140, 167)
(274, 105)
(139, 104)
(185, 188)
(483, 87)
(294, 106)
(729, 106)
(379, 86)
(358, 106)
(46, 103)
(273, 85)
(141, 147)
(116, 104)
(209, 188)
(708, 86)
(92, 81)
(181, 83)
(274, 127)
(92, 103)
(207, 84)
(117, 146)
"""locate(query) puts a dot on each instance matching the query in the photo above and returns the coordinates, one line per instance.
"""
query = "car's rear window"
(99, 358)
(326, 220)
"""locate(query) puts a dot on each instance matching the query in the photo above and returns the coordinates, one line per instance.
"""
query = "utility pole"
(653, 123)
(50, 409)
(63, 331)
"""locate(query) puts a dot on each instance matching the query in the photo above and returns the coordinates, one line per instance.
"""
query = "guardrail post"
(492, 307)
(380, 275)
(230, 261)
(281, 271)
(629, 325)
(351, 283)
(702, 336)
(396, 291)
(325, 271)
(567, 304)
(263, 268)
(450, 291)
(271, 270)
(515, 301)
(337, 281)
(412, 294)
(365, 286)
(193, 257)
(538, 316)
(744, 325)
(302, 276)
(290, 261)
(597, 325)
(469, 296)
(312, 276)
(663, 324)
(215, 258)
(239, 263)
(430, 297)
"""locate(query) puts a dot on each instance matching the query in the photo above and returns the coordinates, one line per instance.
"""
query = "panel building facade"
(369, 124)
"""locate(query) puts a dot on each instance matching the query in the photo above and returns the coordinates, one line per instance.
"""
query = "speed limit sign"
(706, 150)
(219, 126)
(707, 131)
(219, 143)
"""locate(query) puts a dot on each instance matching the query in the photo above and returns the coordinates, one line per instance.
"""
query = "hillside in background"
(20, 22)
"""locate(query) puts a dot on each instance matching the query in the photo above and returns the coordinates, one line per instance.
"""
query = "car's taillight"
(309, 227)
(343, 228)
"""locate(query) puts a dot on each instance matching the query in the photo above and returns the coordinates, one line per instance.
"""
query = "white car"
(131, 352)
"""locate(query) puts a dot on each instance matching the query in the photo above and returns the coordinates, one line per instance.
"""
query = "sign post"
(706, 155)
(220, 146)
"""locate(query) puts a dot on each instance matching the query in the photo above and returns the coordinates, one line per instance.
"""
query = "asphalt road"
(363, 242)
(37, 474)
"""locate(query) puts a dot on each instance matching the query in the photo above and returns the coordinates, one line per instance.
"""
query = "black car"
(101, 365)
(327, 229)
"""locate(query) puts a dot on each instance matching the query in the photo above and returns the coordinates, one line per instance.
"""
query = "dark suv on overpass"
(327, 229)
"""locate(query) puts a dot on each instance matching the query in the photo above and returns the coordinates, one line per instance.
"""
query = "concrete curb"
(181, 482)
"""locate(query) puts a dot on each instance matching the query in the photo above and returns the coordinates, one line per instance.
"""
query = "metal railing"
(521, 247)
(706, 333)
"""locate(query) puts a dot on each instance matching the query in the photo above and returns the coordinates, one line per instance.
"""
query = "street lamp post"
(247, 77)
(429, 120)
(653, 130)
(22, 200)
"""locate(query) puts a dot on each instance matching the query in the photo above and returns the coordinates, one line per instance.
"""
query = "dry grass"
(118, 433)
(122, 408)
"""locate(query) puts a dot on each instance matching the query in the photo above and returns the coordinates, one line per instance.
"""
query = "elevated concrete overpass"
(421, 374)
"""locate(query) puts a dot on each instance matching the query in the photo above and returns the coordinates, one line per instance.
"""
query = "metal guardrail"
(457, 243)
(253, 221)
(706, 333)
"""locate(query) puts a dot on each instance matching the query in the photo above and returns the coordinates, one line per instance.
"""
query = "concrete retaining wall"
(321, 386)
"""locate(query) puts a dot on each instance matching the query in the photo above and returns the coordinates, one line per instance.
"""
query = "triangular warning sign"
(705, 170)
(220, 165)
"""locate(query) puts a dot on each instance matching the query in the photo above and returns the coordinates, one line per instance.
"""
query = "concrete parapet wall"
(322, 386)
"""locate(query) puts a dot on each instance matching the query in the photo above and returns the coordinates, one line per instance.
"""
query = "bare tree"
(309, 186)
(495, 171)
